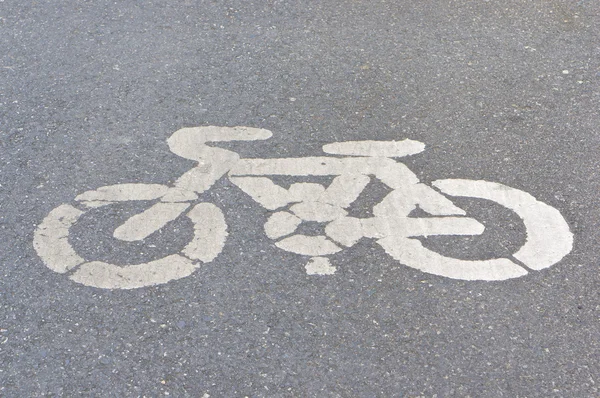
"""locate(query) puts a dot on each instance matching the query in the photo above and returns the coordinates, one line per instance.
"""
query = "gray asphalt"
(504, 91)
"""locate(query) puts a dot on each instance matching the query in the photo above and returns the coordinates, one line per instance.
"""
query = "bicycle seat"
(388, 149)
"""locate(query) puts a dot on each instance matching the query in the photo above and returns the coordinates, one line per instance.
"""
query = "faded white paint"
(389, 149)
(308, 245)
(407, 197)
(319, 266)
(344, 189)
(51, 239)
(179, 195)
(190, 142)
(124, 192)
(270, 195)
(317, 211)
(213, 163)
(210, 229)
(281, 224)
(390, 172)
(412, 253)
(142, 225)
(111, 276)
(348, 230)
(210, 232)
(548, 236)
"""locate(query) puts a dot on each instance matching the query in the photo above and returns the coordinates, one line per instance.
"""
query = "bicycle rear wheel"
(51, 240)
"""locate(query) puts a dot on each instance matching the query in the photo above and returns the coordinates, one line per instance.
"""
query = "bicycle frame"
(352, 165)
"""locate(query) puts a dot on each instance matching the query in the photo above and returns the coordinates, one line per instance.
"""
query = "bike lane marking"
(51, 239)
(548, 236)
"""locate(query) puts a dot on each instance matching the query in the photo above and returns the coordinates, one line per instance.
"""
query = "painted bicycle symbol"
(351, 165)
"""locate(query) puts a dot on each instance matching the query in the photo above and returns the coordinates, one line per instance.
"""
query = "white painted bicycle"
(351, 168)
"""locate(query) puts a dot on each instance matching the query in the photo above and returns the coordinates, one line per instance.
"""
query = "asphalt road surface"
(460, 263)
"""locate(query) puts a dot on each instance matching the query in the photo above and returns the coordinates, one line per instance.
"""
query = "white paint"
(301, 191)
(190, 142)
(313, 203)
(210, 232)
(344, 189)
(385, 169)
(405, 199)
(270, 195)
(281, 224)
(379, 227)
(179, 195)
(308, 245)
(412, 253)
(51, 239)
(95, 203)
(388, 149)
(213, 163)
(201, 178)
(548, 236)
(348, 230)
(124, 192)
(317, 211)
(273, 196)
(142, 225)
(319, 266)
(111, 276)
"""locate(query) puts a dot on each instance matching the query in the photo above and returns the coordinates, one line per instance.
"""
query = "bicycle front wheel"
(548, 240)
